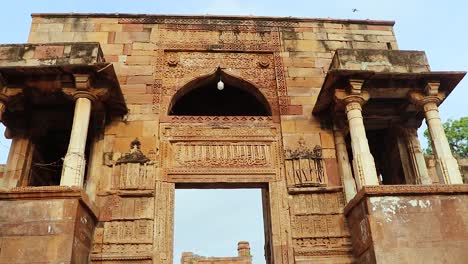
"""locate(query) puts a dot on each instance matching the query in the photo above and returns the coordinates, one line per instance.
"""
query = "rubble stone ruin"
(243, 257)
(111, 113)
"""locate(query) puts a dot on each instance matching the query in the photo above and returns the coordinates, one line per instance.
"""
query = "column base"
(450, 170)
(409, 224)
(73, 170)
(50, 224)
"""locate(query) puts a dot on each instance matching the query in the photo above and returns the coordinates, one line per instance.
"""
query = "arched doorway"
(223, 139)
(201, 97)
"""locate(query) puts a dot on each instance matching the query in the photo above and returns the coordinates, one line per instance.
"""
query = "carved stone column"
(363, 162)
(74, 163)
(416, 156)
(447, 165)
(344, 166)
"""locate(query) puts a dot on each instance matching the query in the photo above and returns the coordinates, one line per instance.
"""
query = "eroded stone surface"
(421, 224)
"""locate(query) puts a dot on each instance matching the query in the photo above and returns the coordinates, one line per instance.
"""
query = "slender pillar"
(416, 157)
(363, 162)
(447, 165)
(344, 167)
(75, 162)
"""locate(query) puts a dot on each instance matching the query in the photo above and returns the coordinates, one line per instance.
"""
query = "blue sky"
(437, 27)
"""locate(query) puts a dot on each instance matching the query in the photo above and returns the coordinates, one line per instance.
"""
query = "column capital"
(352, 97)
(355, 86)
(345, 98)
(84, 94)
(420, 99)
(428, 99)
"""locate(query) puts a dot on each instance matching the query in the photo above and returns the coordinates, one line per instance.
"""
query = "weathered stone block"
(46, 225)
(111, 27)
(304, 72)
(139, 60)
(49, 27)
(381, 60)
(129, 37)
(302, 45)
(404, 223)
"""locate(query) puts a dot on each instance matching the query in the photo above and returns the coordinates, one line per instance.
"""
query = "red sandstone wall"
(297, 54)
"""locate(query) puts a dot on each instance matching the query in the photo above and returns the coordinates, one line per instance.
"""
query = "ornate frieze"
(179, 37)
(222, 154)
(200, 153)
(192, 132)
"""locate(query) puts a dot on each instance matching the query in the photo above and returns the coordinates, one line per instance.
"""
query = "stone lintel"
(128, 193)
(293, 190)
(115, 257)
(404, 190)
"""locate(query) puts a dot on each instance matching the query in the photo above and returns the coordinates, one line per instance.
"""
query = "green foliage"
(457, 136)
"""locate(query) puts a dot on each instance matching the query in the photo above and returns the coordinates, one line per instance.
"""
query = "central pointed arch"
(201, 97)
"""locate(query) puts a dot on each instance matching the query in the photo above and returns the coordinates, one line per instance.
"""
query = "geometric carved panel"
(138, 231)
(132, 208)
(317, 203)
(318, 225)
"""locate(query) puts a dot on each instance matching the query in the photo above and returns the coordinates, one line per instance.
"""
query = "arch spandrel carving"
(183, 67)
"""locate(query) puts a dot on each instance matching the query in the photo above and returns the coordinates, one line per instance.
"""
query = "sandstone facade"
(324, 109)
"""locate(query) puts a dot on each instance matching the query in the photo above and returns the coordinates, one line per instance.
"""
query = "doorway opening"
(211, 222)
